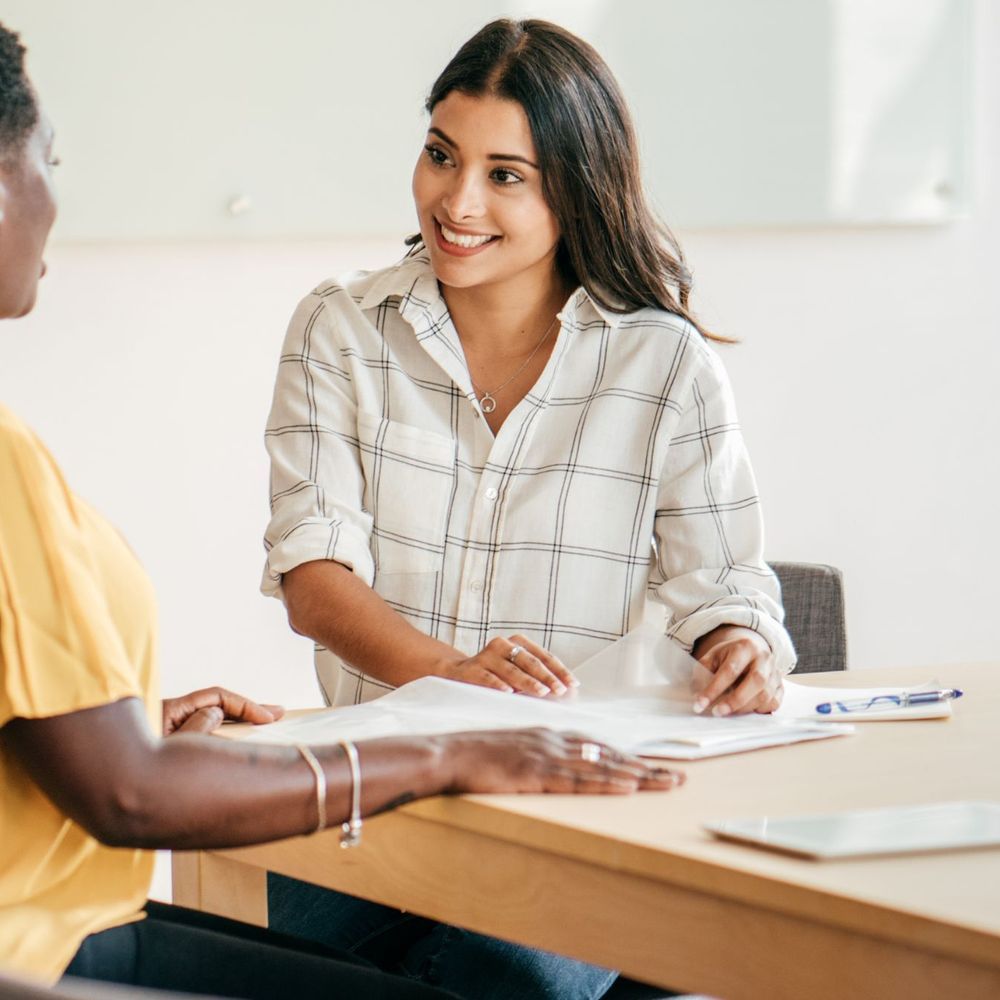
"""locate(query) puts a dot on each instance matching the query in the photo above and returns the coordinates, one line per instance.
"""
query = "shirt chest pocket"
(409, 481)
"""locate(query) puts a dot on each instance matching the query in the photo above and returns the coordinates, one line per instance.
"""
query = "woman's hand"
(540, 760)
(205, 710)
(746, 679)
(516, 664)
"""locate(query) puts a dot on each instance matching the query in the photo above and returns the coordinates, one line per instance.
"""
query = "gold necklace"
(487, 400)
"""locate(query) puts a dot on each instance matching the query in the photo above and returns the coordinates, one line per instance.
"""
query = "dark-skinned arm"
(104, 769)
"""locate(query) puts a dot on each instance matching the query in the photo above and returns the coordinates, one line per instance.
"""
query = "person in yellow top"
(88, 785)
(76, 632)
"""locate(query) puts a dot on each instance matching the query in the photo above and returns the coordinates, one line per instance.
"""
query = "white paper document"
(635, 695)
(651, 725)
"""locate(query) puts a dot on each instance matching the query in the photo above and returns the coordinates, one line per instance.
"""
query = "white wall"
(866, 380)
(148, 371)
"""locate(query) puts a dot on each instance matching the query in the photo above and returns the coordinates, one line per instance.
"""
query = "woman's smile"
(462, 244)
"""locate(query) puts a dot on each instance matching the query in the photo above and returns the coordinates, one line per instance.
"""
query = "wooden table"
(635, 884)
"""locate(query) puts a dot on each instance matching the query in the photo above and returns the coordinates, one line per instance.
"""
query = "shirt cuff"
(313, 539)
(690, 629)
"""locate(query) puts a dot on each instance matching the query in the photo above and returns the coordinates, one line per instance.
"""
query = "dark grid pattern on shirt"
(621, 475)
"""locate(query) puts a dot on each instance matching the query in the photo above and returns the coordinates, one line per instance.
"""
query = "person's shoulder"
(9, 420)
(662, 344)
(662, 333)
(368, 289)
(24, 459)
(15, 432)
(669, 325)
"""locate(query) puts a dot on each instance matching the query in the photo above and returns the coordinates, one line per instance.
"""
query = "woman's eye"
(436, 155)
(504, 176)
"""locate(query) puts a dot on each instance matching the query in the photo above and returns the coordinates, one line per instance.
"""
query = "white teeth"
(464, 241)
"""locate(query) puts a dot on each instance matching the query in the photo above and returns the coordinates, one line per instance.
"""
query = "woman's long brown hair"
(612, 242)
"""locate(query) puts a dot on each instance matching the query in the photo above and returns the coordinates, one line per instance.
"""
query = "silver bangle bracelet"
(350, 830)
(314, 765)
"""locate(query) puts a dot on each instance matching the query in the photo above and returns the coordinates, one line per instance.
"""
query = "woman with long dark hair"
(87, 785)
(486, 458)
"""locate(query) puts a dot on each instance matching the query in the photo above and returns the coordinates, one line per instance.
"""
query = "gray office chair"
(813, 595)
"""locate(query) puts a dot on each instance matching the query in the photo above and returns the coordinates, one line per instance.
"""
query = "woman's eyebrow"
(492, 156)
(512, 156)
(441, 135)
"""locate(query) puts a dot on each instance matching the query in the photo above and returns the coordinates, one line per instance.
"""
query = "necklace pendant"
(487, 403)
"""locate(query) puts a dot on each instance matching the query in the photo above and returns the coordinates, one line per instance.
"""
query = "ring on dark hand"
(591, 752)
(515, 652)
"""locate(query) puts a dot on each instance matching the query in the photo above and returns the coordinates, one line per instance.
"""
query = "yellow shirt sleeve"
(60, 650)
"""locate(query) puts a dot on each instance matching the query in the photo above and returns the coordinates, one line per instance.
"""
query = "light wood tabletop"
(635, 883)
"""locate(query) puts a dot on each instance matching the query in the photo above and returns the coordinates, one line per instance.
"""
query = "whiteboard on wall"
(799, 112)
(217, 119)
(246, 119)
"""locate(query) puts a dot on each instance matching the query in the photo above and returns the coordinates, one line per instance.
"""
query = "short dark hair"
(18, 106)
(612, 241)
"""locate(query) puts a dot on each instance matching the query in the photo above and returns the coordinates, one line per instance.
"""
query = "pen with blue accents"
(888, 701)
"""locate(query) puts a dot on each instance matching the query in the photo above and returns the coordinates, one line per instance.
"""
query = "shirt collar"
(581, 302)
(411, 279)
(413, 282)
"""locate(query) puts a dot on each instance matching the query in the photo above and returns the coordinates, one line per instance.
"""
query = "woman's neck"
(504, 320)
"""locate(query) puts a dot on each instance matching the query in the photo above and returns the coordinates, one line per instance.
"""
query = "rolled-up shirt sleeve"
(709, 535)
(317, 484)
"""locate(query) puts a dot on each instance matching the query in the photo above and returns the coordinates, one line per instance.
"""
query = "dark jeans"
(470, 965)
(192, 952)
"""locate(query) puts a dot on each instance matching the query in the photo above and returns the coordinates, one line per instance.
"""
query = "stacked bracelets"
(350, 831)
(350, 835)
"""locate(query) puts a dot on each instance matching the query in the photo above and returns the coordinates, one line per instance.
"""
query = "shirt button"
(492, 493)
(476, 585)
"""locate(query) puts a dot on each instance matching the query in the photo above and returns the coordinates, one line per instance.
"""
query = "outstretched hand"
(205, 710)
(540, 760)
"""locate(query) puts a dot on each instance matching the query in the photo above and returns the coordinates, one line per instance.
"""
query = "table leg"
(221, 886)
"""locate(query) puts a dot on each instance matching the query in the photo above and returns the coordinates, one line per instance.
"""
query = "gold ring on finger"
(515, 652)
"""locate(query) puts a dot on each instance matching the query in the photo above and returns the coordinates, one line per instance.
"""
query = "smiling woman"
(487, 457)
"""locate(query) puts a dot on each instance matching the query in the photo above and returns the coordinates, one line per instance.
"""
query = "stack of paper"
(653, 724)
(636, 695)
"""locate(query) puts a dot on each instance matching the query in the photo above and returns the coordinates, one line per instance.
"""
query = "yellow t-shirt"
(77, 630)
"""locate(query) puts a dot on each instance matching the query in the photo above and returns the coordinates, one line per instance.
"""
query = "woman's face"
(478, 194)
(27, 211)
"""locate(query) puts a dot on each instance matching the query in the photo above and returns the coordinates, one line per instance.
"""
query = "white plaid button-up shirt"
(621, 476)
